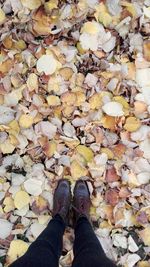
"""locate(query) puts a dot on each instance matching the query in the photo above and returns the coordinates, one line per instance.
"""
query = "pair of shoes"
(62, 200)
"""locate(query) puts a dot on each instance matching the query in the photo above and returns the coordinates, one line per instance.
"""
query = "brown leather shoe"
(81, 200)
(62, 200)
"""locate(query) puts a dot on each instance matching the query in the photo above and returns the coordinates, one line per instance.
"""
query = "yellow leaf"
(66, 73)
(145, 235)
(85, 152)
(80, 98)
(102, 15)
(80, 49)
(77, 171)
(32, 4)
(32, 82)
(20, 45)
(143, 264)
(43, 219)
(50, 5)
(14, 127)
(108, 152)
(108, 122)
(13, 140)
(68, 98)
(131, 71)
(17, 249)
(7, 42)
(21, 199)
(49, 148)
(6, 65)
(2, 16)
(90, 27)
(72, 143)
(130, 7)
(121, 100)
(146, 11)
(25, 121)
(132, 124)
(95, 101)
(132, 180)
(146, 48)
(9, 204)
(7, 147)
(53, 100)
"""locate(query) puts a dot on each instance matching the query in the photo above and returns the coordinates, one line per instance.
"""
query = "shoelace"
(80, 210)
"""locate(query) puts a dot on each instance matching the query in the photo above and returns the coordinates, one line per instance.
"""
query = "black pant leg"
(88, 251)
(47, 248)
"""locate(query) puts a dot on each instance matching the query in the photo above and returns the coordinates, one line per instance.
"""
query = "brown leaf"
(111, 175)
(119, 150)
(112, 197)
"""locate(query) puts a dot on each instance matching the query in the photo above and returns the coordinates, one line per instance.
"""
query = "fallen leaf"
(21, 199)
(7, 147)
(6, 228)
(143, 264)
(85, 152)
(111, 175)
(17, 249)
(102, 15)
(9, 204)
(132, 245)
(77, 171)
(33, 4)
(25, 121)
(32, 82)
(145, 235)
(39, 205)
(2, 16)
(53, 100)
(113, 109)
(95, 101)
(146, 48)
(132, 124)
(109, 122)
(112, 197)
(47, 64)
(33, 186)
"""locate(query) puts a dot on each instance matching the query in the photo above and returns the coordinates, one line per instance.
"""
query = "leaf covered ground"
(74, 102)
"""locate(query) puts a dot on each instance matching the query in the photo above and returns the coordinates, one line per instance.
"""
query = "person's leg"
(87, 248)
(88, 251)
(46, 250)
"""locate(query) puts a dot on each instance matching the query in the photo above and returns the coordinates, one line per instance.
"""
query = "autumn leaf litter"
(74, 102)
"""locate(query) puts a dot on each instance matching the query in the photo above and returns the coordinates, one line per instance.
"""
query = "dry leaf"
(53, 100)
(25, 121)
(112, 197)
(111, 175)
(47, 64)
(32, 4)
(6, 228)
(2, 16)
(7, 147)
(32, 82)
(21, 199)
(132, 124)
(145, 236)
(17, 249)
(85, 152)
(77, 170)
(113, 109)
